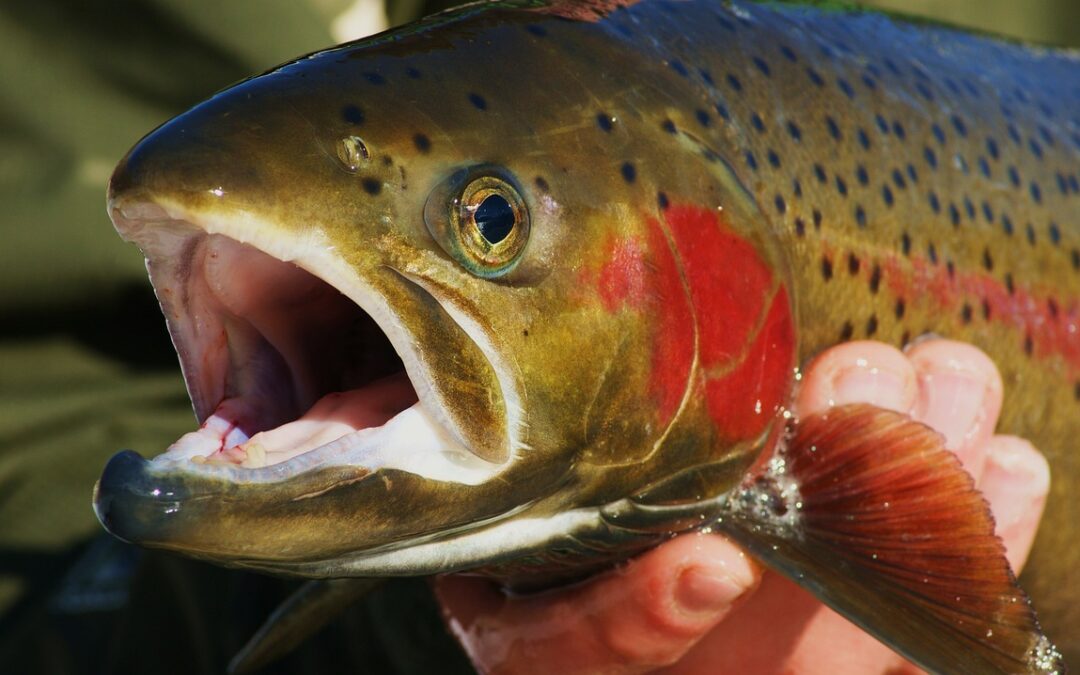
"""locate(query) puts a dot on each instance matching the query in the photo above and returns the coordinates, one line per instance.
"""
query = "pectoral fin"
(315, 604)
(869, 511)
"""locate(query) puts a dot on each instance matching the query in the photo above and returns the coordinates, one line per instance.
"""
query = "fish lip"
(148, 223)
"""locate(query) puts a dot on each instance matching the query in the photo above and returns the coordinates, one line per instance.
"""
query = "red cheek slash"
(742, 318)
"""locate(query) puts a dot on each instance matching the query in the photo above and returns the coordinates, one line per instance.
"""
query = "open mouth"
(285, 372)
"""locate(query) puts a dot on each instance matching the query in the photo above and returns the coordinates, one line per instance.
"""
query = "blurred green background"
(85, 365)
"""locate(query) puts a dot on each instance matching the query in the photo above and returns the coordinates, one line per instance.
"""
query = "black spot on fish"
(831, 125)
(899, 309)
(1009, 286)
(935, 205)
(817, 219)
(954, 215)
(992, 148)
(604, 121)
(1036, 192)
(966, 313)
(898, 130)
(668, 126)
(860, 216)
(733, 82)
(757, 123)
(774, 159)
(662, 201)
(969, 207)
(882, 125)
(722, 111)
(538, 31)
(478, 101)
(847, 331)
(413, 73)
(1036, 149)
(819, 171)
(939, 134)
(931, 158)
(959, 125)
(871, 325)
(905, 338)
(870, 82)
(679, 68)
(352, 114)
(1029, 346)
(751, 161)
(372, 186)
(796, 187)
(887, 195)
(1055, 233)
(422, 143)
(762, 66)
(781, 206)
(1014, 176)
(913, 175)
(898, 179)
(826, 268)
(1006, 224)
(542, 184)
(986, 309)
(788, 54)
(931, 253)
(988, 212)
(1076, 259)
(800, 227)
(703, 117)
(864, 140)
(845, 87)
(861, 175)
(375, 78)
(853, 264)
(814, 77)
(841, 186)
(988, 260)
(875, 278)
(794, 131)
(629, 172)
(905, 243)
(1030, 234)
(984, 166)
(924, 91)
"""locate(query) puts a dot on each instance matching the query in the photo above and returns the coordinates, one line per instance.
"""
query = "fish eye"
(480, 218)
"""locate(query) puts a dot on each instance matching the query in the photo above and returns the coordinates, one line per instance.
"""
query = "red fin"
(869, 511)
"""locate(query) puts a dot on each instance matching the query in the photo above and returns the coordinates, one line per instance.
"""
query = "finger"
(644, 615)
(858, 372)
(1015, 480)
(959, 396)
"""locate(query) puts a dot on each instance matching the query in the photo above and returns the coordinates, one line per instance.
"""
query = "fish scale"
(925, 182)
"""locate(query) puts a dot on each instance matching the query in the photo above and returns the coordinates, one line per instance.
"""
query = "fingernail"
(863, 383)
(701, 589)
(953, 404)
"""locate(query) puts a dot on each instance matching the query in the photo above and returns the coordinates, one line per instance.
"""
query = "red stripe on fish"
(1051, 324)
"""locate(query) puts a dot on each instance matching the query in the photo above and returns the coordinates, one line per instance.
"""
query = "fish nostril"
(353, 153)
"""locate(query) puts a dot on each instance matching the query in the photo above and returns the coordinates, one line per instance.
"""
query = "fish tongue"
(332, 417)
(870, 512)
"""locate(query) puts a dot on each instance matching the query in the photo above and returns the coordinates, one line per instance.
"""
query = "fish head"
(436, 308)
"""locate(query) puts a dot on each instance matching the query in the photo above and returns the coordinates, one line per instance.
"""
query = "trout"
(521, 289)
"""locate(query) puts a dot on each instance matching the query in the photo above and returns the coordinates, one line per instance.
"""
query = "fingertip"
(858, 372)
(715, 575)
(960, 396)
(1016, 482)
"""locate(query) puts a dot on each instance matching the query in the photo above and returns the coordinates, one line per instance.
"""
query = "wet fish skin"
(854, 167)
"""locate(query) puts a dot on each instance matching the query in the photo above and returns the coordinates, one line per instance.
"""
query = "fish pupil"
(495, 218)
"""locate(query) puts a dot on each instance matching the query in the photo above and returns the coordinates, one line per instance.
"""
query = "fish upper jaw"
(286, 370)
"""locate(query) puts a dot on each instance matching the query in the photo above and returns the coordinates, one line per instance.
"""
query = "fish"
(522, 289)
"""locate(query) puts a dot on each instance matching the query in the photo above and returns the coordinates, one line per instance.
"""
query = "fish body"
(599, 237)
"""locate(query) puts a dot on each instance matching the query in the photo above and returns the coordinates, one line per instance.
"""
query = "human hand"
(698, 604)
